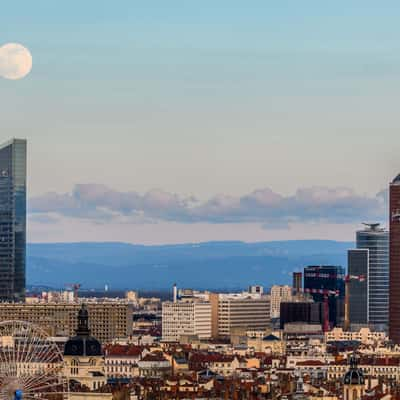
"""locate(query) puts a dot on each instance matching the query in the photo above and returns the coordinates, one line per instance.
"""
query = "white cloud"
(99, 203)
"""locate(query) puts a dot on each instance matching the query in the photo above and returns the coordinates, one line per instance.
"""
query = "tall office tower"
(376, 240)
(358, 265)
(328, 279)
(297, 282)
(12, 220)
(394, 260)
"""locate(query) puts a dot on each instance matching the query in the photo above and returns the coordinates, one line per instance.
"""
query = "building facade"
(364, 335)
(330, 278)
(244, 310)
(186, 318)
(375, 240)
(12, 220)
(358, 264)
(394, 259)
(121, 360)
(279, 294)
(108, 320)
(301, 312)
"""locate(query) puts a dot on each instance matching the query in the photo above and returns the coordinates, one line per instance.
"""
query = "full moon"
(15, 61)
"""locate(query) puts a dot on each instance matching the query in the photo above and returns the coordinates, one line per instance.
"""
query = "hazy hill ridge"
(203, 265)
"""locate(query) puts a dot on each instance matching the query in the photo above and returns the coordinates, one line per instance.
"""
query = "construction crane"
(326, 293)
(347, 279)
(75, 287)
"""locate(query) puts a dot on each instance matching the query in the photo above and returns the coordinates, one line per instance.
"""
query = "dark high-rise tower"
(358, 265)
(318, 279)
(394, 261)
(12, 220)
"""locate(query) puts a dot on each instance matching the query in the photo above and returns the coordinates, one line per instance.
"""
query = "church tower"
(83, 356)
(354, 381)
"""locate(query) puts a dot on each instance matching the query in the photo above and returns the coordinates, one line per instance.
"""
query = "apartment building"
(189, 317)
(108, 320)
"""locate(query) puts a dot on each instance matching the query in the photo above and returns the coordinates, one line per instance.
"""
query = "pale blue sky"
(203, 99)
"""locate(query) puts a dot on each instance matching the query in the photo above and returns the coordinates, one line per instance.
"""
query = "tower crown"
(354, 376)
(396, 180)
(83, 344)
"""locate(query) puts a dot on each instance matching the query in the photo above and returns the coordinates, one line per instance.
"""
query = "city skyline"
(199, 200)
(154, 124)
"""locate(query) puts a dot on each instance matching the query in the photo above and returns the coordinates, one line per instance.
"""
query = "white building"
(121, 360)
(65, 296)
(250, 311)
(364, 335)
(256, 289)
(192, 317)
(132, 296)
(279, 294)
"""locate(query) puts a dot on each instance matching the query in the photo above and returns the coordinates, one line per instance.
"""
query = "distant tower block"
(175, 293)
(297, 282)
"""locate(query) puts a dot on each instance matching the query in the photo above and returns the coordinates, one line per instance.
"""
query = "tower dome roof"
(83, 344)
(354, 376)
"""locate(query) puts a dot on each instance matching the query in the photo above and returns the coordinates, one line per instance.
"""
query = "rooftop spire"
(83, 322)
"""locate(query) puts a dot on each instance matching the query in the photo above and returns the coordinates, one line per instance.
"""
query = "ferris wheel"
(31, 365)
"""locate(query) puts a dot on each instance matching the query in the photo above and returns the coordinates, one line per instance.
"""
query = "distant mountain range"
(213, 265)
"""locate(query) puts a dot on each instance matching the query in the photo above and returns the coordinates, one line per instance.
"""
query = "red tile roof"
(154, 357)
(311, 363)
(123, 350)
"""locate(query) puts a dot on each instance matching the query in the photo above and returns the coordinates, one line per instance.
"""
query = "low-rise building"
(269, 344)
(121, 361)
(221, 364)
(154, 365)
(373, 367)
(364, 335)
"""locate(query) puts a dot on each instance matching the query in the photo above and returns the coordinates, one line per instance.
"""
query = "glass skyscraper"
(376, 240)
(12, 220)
